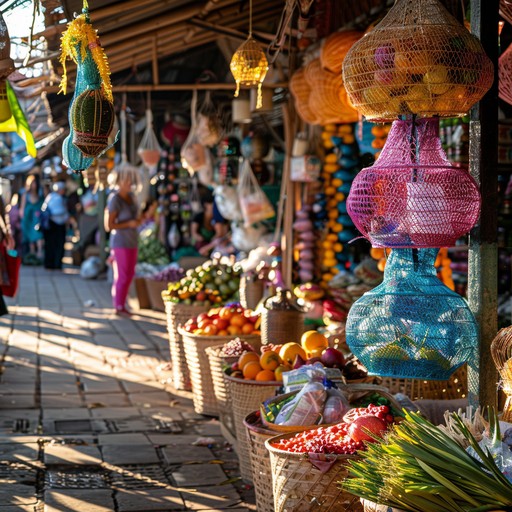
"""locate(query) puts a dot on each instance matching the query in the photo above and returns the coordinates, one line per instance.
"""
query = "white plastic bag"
(246, 238)
(254, 203)
(90, 268)
(228, 203)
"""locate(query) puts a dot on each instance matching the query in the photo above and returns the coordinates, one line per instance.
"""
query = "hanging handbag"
(12, 270)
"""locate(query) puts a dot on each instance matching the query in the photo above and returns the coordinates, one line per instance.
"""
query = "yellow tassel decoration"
(81, 35)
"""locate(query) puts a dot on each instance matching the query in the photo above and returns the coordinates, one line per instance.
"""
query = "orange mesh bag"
(301, 90)
(418, 60)
(336, 47)
(324, 99)
(505, 75)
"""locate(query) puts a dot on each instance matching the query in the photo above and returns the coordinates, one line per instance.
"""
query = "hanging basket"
(501, 350)
(505, 75)
(412, 326)
(301, 90)
(326, 96)
(418, 60)
(413, 196)
(335, 49)
(506, 10)
(149, 149)
(93, 118)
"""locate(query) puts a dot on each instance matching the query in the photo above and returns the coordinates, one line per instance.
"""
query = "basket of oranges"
(254, 379)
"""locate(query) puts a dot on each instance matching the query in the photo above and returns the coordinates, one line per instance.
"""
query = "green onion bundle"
(419, 468)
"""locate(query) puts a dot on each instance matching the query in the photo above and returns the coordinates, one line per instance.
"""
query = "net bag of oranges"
(418, 60)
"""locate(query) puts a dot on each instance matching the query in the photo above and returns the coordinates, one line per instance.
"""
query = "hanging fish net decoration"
(149, 148)
(249, 67)
(506, 10)
(413, 196)
(418, 60)
(412, 325)
(91, 111)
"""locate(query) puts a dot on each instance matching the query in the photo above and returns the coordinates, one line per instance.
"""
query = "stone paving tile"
(17, 401)
(72, 413)
(212, 498)
(172, 439)
(17, 508)
(100, 385)
(197, 475)
(141, 387)
(115, 412)
(19, 452)
(191, 454)
(72, 455)
(151, 399)
(211, 428)
(18, 388)
(78, 500)
(137, 454)
(162, 414)
(141, 500)
(106, 400)
(60, 401)
(17, 494)
(123, 439)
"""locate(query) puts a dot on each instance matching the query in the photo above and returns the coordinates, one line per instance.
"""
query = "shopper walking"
(8, 241)
(30, 211)
(122, 221)
(55, 235)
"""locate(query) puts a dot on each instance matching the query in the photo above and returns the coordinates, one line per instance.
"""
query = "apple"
(220, 323)
(201, 317)
(333, 358)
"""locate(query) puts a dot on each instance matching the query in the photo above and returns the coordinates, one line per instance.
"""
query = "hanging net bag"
(418, 60)
(412, 326)
(91, 111)
(505, 75)
(413, 196)
(149, 148)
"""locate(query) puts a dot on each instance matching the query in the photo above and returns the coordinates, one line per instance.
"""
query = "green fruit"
(391, 352)
(431, 354)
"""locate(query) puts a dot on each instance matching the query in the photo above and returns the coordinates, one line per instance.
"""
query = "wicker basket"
(155, 289)
(220, 388)
(455, 387)
(260, 461)
(141, 290)
(178, 314)
(251, 292)
(299, 486)
(246, 396)
(199, 368)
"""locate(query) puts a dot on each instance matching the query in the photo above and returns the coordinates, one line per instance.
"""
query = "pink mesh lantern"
(412, 196)
(505, 75)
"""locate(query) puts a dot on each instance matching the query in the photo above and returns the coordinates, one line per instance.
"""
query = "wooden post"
(483, 247)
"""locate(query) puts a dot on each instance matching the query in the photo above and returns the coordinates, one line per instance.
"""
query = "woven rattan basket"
(300, 486)
(251, 292)
(246, 396)
(178, 314)
(155, 289)
(300, 90)
(260, 461)
(501, 351)
(142, 292)
(416, 389)
(199, 369)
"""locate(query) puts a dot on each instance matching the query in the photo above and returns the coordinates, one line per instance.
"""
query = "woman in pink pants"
(123, 220)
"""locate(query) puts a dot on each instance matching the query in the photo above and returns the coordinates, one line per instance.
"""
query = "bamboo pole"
(154, 62)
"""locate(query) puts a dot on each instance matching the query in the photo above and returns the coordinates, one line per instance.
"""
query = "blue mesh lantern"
(412, 325)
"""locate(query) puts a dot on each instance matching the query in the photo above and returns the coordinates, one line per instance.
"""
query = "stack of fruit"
(230, 320)
(211, 283)
(338, 172)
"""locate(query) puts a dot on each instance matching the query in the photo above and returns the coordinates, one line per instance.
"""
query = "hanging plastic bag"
(195, 157)
(254, 203)
(196, 204)
(208, 127)
(227, 202)
(246, 238)
(149, 149)
(173, 236)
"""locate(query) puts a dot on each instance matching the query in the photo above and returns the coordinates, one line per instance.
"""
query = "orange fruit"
(289, 351)
(278, 372)
(312, 341)
(237, 319)
(270, 360)
(247, 328)
(234, 330)
(251, 369)
(247, 357)
(265, 375)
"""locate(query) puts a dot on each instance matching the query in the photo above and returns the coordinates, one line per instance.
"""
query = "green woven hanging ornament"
(93, 118)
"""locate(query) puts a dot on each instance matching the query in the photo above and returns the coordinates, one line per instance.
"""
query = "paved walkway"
(88, 418)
